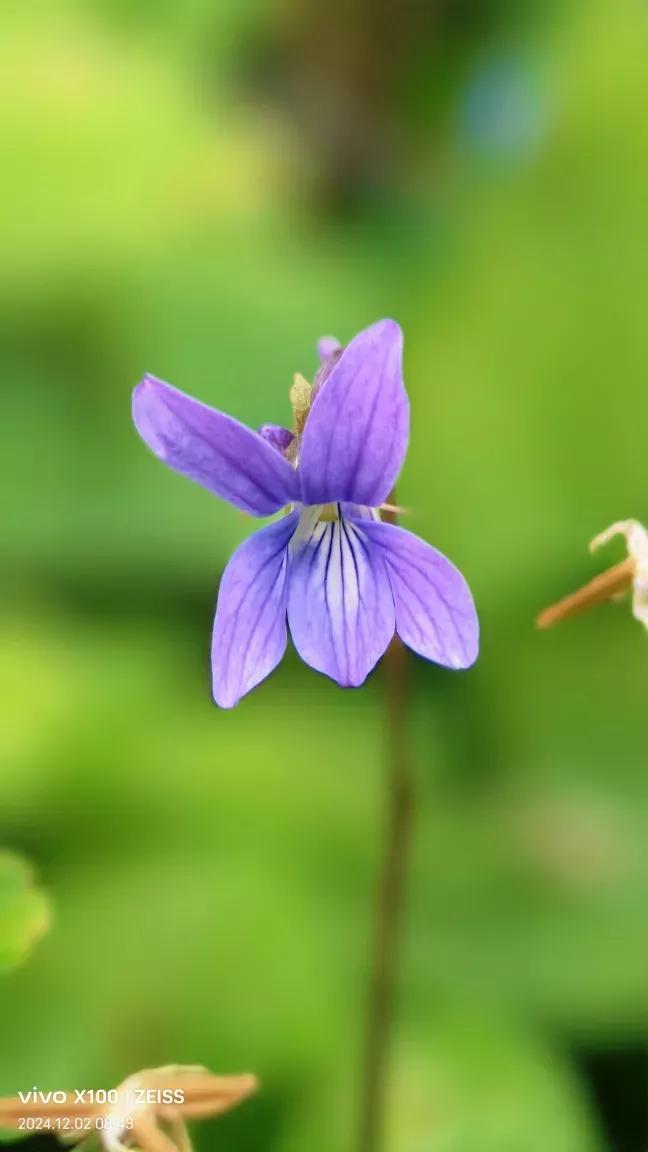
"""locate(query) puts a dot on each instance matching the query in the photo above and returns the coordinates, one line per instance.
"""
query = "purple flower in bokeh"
(342, 580)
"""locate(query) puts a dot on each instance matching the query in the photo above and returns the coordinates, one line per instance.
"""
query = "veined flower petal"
(249, 635)
(435, 612)
(213, 449)
(357, 430)
(340, 606)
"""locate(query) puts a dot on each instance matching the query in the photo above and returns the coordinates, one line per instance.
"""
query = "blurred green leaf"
(24, 911)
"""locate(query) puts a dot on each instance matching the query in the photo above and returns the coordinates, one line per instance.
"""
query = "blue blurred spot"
(501, 114)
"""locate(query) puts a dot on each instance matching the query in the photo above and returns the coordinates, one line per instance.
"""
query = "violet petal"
(357, 431)
(213, 449)
(435, 612)
(249, 636)
(340, 606)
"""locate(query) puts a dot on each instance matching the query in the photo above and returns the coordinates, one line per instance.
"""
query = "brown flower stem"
(603, 587)
(390, 897)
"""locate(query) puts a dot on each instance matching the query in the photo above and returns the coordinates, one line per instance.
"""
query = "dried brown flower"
(149, 1110)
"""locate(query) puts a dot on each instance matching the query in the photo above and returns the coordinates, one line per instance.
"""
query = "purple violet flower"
(342, 579)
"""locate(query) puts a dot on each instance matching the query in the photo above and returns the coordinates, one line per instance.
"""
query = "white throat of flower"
(311, 515)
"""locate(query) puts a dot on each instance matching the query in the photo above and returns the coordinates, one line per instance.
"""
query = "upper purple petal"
(250, 635)
(435, 612)
(340, 606)
(213, 449)
(356, 434)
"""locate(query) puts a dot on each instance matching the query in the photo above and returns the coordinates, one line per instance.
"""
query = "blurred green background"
(200, 190)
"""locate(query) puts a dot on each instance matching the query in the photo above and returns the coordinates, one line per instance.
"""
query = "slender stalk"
(390, 898)
(603, 587)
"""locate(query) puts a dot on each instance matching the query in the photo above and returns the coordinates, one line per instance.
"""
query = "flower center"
(329, 512)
